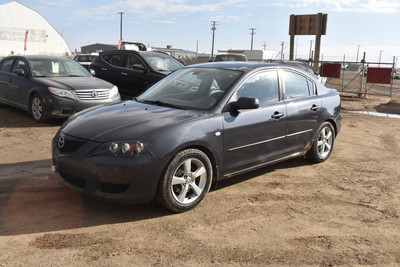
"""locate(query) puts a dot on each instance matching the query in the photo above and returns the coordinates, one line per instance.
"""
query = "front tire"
(323, 143)
(37, 109)
(186, 181)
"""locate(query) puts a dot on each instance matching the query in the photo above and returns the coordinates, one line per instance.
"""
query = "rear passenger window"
(116, 59)
(297, 86)
(6, 65)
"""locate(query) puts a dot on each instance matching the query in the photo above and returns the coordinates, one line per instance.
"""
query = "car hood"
(75, 83)
(126, 120)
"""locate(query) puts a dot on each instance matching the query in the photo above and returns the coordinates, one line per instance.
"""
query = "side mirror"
(20, 72)
(139, 67)
(246, 103)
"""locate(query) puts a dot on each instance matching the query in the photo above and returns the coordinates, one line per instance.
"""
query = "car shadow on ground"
(18, 118)
(35, 201)
(292, 163)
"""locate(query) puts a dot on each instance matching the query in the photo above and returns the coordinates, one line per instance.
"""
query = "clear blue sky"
(373, 26)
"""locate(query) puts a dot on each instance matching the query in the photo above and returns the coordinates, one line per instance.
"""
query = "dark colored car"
(201, 124)
(133, 71)
(51, 87)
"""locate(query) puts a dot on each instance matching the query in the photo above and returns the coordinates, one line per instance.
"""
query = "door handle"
(314, 107)
(124, 73)
(103, 69)
(277, 115)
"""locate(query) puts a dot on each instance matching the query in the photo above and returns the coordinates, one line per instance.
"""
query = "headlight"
(122, 148)
(113, 91)
(62, 92)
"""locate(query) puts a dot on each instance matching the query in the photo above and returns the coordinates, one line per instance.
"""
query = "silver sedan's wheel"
(323, 143)
(186, 181)
(189, 181)
(37, 109)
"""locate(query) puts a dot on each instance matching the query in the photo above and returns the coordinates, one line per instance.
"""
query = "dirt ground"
(341, 212)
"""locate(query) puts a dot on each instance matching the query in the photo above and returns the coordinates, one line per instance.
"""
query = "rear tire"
(186, 181)
(323, 143)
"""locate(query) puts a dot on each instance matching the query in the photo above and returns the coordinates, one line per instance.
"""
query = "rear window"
(85, 58)
(230, 58)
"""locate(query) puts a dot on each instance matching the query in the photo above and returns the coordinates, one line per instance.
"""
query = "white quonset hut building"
(23, 31)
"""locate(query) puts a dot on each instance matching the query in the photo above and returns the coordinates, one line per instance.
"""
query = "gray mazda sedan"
(201, 124)
(51, 87)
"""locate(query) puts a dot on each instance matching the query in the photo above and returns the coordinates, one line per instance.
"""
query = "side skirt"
(294, 155)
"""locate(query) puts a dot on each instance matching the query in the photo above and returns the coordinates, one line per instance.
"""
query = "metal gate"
(362, 78)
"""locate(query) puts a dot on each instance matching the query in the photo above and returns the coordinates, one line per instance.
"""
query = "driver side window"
(262, 85)
(133, 60)
(20, 64)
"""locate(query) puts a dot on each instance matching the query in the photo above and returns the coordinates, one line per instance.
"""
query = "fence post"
(362, 76)
(343, 68)
(391, 83)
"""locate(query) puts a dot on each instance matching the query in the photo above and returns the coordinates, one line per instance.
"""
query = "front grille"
(94, 185)
(114, 188)
(71, 144)
(93, 94)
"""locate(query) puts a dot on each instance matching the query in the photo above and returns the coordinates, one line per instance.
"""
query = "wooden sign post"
(308, 25)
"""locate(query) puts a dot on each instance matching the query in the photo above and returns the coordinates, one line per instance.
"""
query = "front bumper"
(123, 180)
(59, 107)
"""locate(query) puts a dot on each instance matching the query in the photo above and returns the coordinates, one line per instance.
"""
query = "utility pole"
(358, 50)
(380, 55)
(120, 26)
(252, 34)
(310, 54)
(213, 28)
(282, 44)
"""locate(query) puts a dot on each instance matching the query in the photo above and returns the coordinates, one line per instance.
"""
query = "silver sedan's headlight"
(62, 92)
(122, 148)
(113, 91)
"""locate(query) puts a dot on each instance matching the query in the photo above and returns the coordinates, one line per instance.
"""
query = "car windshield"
(57, 68)
(162, 62)
(191, 88)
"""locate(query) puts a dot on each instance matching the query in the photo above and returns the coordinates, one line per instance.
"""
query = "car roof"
(235, 65)
(247, 66)
(131, 51)
(39, 57)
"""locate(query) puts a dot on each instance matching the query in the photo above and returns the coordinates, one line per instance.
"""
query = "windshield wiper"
(159, 103)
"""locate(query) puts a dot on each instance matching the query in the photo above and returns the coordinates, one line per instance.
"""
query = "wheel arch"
(213, 160)
(333, 123)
